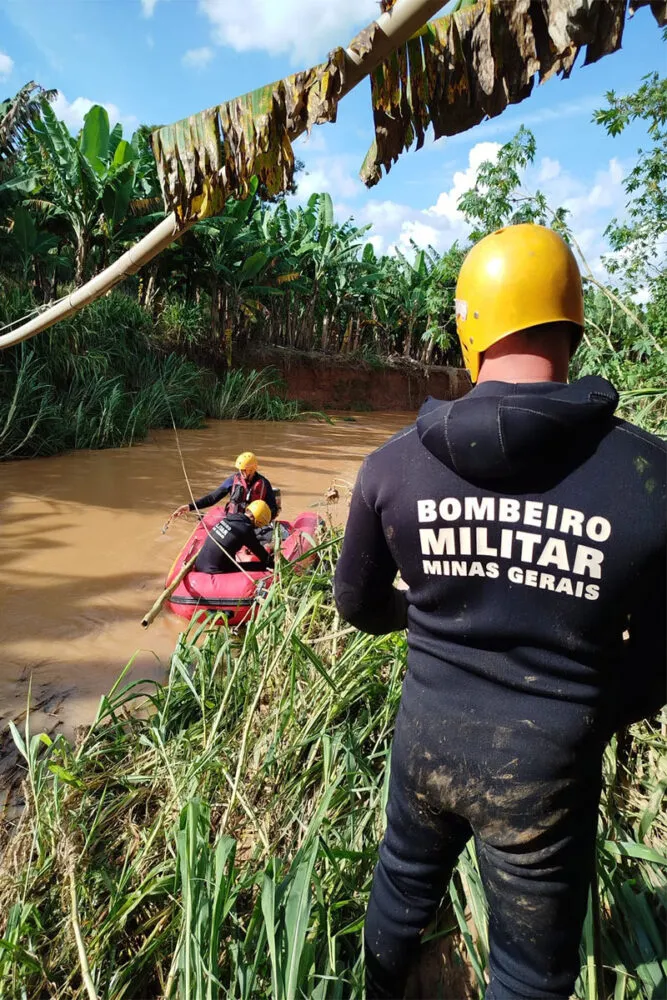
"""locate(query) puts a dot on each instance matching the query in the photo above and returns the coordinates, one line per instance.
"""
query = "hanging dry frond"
(144, 206)
(659, 8)
(455, 72)
(469, 65)
(211, 156)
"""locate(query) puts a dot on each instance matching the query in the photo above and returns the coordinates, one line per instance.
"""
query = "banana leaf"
(209, 157)
(470, 64)
(455, 72)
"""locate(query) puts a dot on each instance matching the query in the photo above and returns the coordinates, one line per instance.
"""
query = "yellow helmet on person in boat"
(260, 511)
(516, 278)
(246, 463)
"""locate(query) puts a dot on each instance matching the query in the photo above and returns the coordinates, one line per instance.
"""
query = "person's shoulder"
(397, 443)
(238, 519)
(624, 430)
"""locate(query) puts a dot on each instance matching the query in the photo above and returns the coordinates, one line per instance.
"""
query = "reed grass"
(215, 836)
(102, 380)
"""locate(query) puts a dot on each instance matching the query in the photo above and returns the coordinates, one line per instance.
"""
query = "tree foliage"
(497, 197)
(278, 274)
(639, 242)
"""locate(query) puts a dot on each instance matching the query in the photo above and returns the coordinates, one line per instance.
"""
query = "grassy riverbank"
(222, 844)
(104, 379)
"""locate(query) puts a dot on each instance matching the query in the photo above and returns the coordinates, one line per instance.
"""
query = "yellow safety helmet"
(517, 277)
(260, 511)
(246, 463)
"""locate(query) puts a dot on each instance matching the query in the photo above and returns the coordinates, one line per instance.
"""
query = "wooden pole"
(168, 591)
(396, 27)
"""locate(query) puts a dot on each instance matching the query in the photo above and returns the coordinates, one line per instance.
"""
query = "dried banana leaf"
(659, 8)
(457, 71)
(469, 65)
(211, 156)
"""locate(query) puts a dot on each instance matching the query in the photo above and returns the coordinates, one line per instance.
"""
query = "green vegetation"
(266, 274)
(216, 836)
(222, 843)
(103, 379)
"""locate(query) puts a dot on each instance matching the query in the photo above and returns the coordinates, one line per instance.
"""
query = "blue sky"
(156, 61)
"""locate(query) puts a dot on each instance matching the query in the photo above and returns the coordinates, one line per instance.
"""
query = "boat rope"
(33, 312)
(192, 499)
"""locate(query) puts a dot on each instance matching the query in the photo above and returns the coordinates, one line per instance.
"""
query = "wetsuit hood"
(502, 430)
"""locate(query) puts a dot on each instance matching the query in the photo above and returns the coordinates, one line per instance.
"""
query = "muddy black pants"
(535, 848)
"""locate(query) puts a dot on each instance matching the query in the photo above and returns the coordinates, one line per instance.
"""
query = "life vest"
(241, 494)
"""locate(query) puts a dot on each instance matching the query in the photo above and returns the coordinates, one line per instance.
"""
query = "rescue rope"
(192, 500)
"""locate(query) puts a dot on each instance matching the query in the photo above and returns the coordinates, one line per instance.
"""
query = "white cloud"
(198, 58)
(305, 29)
(73, 112)
(605, 193)
(549, 169)
(439, 225)
(591, 204)
(336, 173)
(6, 65)
(148, 6)
(462, 181)
(333, 175)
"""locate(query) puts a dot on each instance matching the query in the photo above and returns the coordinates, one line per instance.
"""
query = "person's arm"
(365, 573)
(252, 543)
(644, 688)
(270, 499)
(215, 496)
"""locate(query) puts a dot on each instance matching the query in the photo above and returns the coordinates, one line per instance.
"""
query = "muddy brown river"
(83, 556)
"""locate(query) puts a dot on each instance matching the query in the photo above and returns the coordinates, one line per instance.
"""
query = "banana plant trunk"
(396, 27)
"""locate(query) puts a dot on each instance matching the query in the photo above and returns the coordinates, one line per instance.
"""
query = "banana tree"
(33, 246)
(86, 181)
(234, 257)
(451, 74)
(17, 118)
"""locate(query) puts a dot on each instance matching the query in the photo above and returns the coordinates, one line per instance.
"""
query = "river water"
(83, 555)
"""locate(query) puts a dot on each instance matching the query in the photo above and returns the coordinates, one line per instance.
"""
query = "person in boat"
(229, 536)
(528, 523)
(245, 486)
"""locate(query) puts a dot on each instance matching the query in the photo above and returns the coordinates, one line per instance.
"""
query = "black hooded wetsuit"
(226, 539)
(529, 525)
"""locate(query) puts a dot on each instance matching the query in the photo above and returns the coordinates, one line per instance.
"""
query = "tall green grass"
(216, 837)
(101, 380)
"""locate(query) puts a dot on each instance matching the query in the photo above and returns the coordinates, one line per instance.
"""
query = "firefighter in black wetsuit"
(246, 485)
(229, 536)
(528, 523)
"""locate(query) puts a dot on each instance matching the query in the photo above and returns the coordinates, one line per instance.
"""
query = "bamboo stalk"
(396, 27)
(168, 591)
(129, 263)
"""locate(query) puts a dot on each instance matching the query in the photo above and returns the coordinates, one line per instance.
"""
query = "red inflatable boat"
(235, 594)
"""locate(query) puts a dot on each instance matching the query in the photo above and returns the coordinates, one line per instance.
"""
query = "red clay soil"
(328, 382)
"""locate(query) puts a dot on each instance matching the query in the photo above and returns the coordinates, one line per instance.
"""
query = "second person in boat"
(244, 487)
(229, 536)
